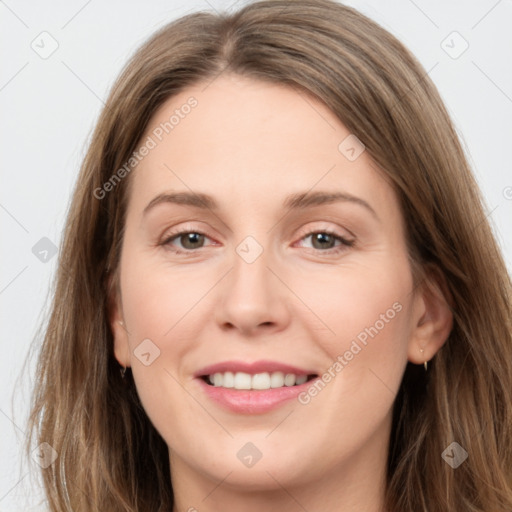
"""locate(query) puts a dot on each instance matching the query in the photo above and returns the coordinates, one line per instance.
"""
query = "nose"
(253, 298)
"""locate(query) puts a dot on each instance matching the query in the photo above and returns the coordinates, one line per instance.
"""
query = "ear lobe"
(116, 321)
(433, 319)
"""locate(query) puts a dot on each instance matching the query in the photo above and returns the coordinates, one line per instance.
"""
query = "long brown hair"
(110, 457)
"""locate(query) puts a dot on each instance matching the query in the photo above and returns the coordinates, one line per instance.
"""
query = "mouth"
(253, 388)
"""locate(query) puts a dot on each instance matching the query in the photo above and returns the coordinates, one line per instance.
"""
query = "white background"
(49, 107)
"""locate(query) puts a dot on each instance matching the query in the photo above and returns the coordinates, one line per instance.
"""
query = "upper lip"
(252, 368)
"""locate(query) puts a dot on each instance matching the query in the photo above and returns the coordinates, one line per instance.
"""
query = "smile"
(252, 388)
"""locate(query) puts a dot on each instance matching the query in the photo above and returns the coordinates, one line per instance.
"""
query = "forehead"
(252, 142)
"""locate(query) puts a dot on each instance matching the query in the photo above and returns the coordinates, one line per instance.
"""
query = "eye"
(189, 241)
(325, 240)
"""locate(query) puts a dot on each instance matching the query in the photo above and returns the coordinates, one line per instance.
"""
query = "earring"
(123, 371)
(425, 364)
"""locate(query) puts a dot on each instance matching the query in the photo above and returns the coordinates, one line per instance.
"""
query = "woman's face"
(272, 274)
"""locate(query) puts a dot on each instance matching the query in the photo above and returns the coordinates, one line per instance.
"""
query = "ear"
(117, 323)
(432, 317)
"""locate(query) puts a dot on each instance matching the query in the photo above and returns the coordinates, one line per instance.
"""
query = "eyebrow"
(297, 201)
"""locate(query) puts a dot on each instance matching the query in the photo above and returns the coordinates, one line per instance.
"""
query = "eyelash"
(345, 244)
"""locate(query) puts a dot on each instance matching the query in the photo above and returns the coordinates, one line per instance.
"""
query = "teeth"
(301, 379)
(277, 380)
(229, 380)
(241, 380)
(260, 381)
(289, 379)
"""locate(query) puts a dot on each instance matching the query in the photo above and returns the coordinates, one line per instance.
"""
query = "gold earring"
(425, 364)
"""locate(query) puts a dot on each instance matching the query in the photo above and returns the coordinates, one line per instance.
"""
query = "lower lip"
(252, 401)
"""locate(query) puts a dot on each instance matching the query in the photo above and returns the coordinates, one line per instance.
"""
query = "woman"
(340, 336)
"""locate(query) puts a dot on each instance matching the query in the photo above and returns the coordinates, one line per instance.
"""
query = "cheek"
(162, 304)
(368, 311)
(358, 302)
(157, 298)
(365, 327)
(170, 306)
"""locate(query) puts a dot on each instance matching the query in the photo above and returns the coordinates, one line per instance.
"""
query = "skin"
(249, 144)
